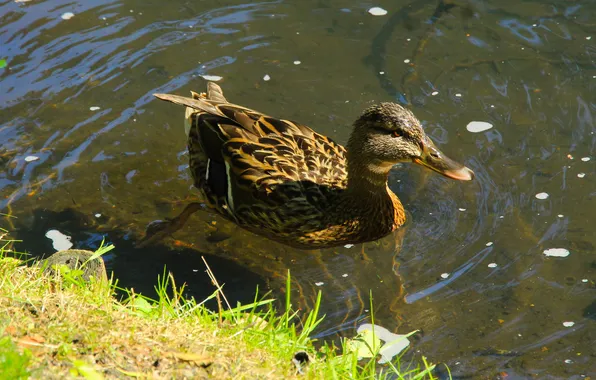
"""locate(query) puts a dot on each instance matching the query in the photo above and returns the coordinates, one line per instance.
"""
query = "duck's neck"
(370, 199)
(368, 178)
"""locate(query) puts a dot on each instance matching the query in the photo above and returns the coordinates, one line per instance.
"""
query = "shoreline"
(62, 324)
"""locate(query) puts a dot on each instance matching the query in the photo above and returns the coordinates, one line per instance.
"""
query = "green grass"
(61, 326)
(13, 363)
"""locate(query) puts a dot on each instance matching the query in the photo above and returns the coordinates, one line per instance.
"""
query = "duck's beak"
(434, 159)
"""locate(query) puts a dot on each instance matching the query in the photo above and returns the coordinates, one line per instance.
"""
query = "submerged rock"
(76, 259)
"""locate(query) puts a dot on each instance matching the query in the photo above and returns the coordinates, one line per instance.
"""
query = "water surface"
(526, 67)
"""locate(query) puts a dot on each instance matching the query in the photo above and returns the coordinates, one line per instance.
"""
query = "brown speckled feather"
(276, 177)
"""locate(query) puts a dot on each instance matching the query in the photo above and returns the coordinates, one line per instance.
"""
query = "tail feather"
(215, 93)
(197, 104)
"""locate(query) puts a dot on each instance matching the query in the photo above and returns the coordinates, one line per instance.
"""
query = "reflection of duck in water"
(282, 180)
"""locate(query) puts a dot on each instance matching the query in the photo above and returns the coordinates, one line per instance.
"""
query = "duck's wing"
(247, 162)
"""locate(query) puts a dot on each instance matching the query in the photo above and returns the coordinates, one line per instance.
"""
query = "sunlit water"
(475, 279)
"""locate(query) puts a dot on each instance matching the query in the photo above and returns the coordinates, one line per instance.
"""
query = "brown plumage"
(282, 180)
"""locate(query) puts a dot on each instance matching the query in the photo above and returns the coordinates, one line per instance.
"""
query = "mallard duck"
(280, 179)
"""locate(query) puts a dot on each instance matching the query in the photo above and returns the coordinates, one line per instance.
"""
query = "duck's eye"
(396, 134)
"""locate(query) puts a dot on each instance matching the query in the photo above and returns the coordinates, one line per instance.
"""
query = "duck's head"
(388, 133)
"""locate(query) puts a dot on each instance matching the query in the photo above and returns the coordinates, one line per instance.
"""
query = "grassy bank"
(59, 325)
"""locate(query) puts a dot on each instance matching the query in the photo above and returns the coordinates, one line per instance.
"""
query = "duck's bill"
(433, 159)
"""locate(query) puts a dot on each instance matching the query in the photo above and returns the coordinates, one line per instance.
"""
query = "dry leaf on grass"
(34, 341)
(202, 360)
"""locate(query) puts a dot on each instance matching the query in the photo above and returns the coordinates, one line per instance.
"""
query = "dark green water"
(527, 67)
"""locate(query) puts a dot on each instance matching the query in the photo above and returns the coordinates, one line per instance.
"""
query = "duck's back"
(272, 176)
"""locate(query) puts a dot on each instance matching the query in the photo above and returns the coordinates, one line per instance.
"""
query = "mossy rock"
(76, 259)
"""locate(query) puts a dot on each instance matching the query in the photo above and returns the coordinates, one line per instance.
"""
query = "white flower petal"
(213, 78)
(60, 241)
(377, 11)
(556, 252)
(478, 126)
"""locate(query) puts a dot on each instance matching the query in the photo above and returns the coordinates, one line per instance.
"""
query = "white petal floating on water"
(462, 209)
(478, 126)
(349, 245)
(492, 265)
(568, 361)
(584, 280)
(266, 77)
(319, 283)
(560, 215)
(364, 345)
(377, 11)
(489, 243)
(98, 215)
(60, 241)
(344, 275)
(434, 93)
(406, 61)
(556, 252)
(31, 158)
(585, 159)
(297, 62)
(394, 343)
(94, 108)
(581, 175)
(458, 95)
(67, 16)
(568, 324)
(213, 78)
(444, 275)
(542, 195)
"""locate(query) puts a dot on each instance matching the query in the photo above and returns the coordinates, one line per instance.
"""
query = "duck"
(280, 179)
